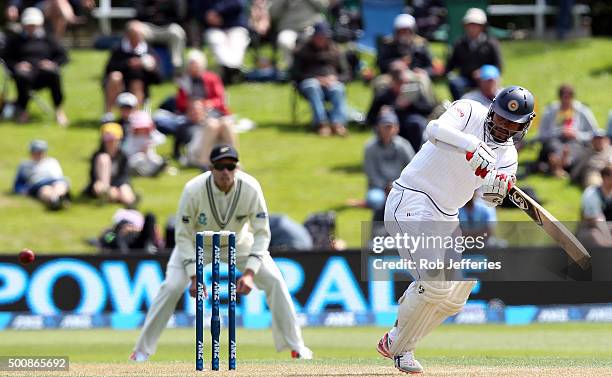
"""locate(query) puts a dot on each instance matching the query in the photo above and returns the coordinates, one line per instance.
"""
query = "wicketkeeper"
(426, 198)
(224, 198)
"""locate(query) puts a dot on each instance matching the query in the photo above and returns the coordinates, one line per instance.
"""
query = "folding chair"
(7, 74)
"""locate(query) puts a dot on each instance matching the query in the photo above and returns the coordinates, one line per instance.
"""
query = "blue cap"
(322, 28)
(38, 146)
(489, 72)
(387, 117)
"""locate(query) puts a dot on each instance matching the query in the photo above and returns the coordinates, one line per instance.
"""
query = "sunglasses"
(230, 167)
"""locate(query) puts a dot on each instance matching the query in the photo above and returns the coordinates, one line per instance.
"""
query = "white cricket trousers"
(285, 329)
(228, 45)
(435, 294)
(171, 35)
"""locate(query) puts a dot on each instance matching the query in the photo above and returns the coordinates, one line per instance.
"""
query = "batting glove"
(496, 186)
(481, 160)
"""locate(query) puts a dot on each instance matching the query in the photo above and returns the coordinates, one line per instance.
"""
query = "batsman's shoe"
(407, 363)
(384, 346)
(139, 356)
(303, 353)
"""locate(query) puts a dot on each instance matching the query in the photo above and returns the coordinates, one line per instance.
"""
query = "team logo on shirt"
(513, 105)
(202, 219)
(261, 215)
(460, 112)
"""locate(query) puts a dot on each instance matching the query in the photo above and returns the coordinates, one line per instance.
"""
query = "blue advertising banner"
(116, 291)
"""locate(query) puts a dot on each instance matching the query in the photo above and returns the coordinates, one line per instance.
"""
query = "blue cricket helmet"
(514, 103)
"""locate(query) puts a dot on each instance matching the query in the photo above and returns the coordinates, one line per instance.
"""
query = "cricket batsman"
(224, 198)
(428, 194)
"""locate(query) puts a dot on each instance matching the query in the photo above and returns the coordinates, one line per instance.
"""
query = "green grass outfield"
(480, 348)
(299, 172)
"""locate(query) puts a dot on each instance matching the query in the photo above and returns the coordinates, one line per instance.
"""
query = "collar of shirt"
(217, 191)
(140, 49)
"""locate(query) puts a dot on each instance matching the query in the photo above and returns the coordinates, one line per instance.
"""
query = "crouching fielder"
(224, 199)
(425, 200)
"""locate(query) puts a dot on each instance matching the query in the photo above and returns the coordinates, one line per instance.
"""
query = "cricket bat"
(555, 229)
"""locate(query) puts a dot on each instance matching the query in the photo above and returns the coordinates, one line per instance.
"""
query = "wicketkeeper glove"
(496, 186)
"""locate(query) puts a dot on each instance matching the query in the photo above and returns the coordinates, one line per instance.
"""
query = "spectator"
(61, 13)
(587, 170)
(470, 52)
(319, 69)
(199, 84)
(108, 174)
(488, 86)
(476, 219)
(566, 127)
(386, 155)
(128, 105)
(131, 231)
(429, 15)
(286, 234)
(405, 45)
(139, 146)
(34, 59)
(291, 19)
(131, 67)
(596, 225)
(203, 132)
(406, 95)
(226, 34)
(161, 24)
(42, 178)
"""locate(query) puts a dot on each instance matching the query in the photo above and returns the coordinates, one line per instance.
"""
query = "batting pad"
(423, 307)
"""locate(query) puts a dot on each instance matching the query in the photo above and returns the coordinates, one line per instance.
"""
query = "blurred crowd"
(316, 42)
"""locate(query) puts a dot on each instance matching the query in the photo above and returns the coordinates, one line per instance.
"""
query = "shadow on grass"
(287, 126)
(86, 123)
(601, 71)
(356, 168)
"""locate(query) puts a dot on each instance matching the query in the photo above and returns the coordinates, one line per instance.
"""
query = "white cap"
(127, 99)
(32, 16)
(404, 21)
(196, 56)
(475, 16)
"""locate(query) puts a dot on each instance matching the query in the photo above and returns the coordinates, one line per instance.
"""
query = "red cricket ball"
(26, 256)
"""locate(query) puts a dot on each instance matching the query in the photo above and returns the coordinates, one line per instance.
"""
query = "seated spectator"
(470, 52)
(566, 128)
(405, 44)
(286, 234)
(109, 177)
(319, 69)
(201, 133)
(42, 178)
(199, 84)
(131, 67)
(291, 19)
(60, 13)
(407, 96)
(429, 15)
(386, 155)
(139, 146)
(587, 170)
(131, 232)
(226, 34)
(488, 86)
(596, 224)
(476, 219)
(128, 105)
(161, 24)
(34, 59)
